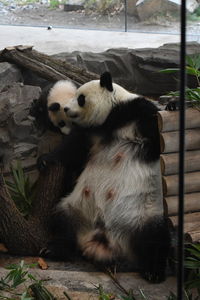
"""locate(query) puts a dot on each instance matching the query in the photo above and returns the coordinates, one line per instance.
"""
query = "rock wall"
(20, 139)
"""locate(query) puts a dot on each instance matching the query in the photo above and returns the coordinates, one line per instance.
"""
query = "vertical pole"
(125, 15)
(180, 275)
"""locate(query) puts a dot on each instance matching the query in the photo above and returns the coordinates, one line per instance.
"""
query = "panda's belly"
(117, 187)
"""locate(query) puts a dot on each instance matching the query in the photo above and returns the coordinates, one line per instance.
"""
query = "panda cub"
(48, 110)
(115, 210)
(59, 95)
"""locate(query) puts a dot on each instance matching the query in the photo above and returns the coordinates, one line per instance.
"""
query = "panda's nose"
(66, 109)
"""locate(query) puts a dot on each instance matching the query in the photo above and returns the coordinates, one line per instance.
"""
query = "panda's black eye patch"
(54, 106)
(61, 124)
(81, 100)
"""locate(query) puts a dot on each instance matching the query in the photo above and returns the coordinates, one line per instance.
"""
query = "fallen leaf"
(3, 248)
(42, 264)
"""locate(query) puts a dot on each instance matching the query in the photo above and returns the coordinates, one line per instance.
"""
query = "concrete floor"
(60, 40)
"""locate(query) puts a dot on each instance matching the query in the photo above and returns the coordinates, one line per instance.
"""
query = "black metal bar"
(125, 16)
(180, 275)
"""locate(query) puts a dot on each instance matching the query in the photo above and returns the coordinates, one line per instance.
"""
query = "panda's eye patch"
(61, 124)
(54, 106)
(81, 100)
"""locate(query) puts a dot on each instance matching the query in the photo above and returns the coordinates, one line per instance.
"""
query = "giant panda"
(49, 108)
(115, 210)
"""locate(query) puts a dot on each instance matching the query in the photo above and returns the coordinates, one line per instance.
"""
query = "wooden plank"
(191, 225)
(169, 162)
(169, 141)
(192, 203)
(169, 120)
(170, 184)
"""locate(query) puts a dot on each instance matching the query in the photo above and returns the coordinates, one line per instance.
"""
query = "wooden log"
(169, 141)
(191, 204)
(192, 184)
(191, 225)
(169, 120)
(169, 162)
(46, 66)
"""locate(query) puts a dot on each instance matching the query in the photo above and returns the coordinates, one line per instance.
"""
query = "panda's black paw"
(44, 161)
(172, 105)
(154, 277)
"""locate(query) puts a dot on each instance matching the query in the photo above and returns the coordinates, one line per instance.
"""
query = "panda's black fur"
(85, 220)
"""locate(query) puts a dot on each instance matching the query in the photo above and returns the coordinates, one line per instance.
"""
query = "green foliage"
(192, 69)
(54, 4)
(19, 275)
(21, 189)
(192, 263)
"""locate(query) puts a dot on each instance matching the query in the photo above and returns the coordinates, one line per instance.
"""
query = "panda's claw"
(44, 252)
(153, 277)
(43, 161)
(172, 105)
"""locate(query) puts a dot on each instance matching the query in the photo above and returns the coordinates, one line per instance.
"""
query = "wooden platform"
(168, 123)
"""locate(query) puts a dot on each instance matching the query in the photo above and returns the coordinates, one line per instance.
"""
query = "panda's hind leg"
(151, 245)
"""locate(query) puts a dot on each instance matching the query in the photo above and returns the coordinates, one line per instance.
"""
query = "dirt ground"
(41, 15)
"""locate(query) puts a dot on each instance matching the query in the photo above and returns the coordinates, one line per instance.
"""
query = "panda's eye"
(81, 100)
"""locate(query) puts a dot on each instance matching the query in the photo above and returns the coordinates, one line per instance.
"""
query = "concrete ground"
(60, 40)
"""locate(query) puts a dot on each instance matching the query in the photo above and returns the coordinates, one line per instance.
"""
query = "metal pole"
(125, 15)
(180, 275)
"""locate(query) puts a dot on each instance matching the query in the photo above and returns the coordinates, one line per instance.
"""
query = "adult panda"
(49, 108)
(115, 210)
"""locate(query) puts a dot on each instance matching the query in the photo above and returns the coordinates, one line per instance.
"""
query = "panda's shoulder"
(136, 109)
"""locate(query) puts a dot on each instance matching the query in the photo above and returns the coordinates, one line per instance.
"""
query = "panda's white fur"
(115, 209)
(99, 102)
(61, 93)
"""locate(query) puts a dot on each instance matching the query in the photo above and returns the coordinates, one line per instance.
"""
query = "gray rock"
(17, 133)
(23, 150)
(4, 136)
(136, 69)
(9, 73)
(149, 8)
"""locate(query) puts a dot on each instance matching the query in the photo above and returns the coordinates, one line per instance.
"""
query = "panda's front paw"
(172, 105)
(154, 277)
(44, 161)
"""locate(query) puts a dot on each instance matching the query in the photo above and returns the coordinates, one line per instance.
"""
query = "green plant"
(19, 275)
(21, 189)
(192, 263)
(54, 4)
(192, 69)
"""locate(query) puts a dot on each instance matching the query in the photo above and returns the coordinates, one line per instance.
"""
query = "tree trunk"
(18, 235)
(45, 66)
(28, 237)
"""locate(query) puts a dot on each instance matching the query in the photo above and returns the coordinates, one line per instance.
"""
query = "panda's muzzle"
(70, 114)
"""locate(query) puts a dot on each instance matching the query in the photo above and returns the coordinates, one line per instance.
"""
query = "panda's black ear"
(106, 81)
(54, 106)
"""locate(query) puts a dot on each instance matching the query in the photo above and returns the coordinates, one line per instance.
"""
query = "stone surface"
(9, 73)
(136, 69)
(18, 138)
(149, 8)
(83, 284)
